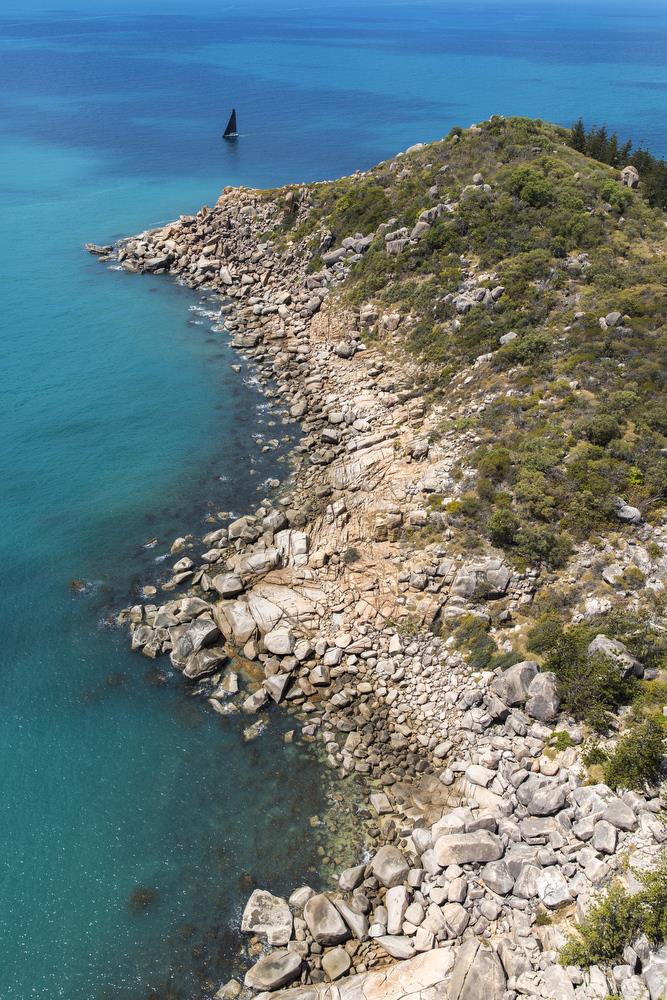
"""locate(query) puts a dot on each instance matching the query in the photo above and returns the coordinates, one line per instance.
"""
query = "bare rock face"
(423, 975)
(268, 916)
(324, 921)
(478, 972)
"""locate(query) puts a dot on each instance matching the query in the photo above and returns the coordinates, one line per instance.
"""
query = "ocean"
(121, 421)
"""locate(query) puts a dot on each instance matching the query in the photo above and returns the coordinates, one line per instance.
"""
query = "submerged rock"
(141, 898)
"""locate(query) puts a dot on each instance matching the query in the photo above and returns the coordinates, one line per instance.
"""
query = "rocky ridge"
(489, 841)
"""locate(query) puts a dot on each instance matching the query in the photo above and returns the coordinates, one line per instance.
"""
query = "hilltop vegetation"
(533, 302)
(553, 272)
(599, 144)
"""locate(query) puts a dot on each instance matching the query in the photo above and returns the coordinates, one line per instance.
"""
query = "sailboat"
(230, 132)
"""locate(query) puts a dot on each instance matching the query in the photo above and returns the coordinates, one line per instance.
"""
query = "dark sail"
(230, 131)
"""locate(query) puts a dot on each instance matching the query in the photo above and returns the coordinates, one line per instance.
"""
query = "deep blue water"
(119, 416)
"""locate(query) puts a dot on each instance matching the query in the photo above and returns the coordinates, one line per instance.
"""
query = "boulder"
(300, 897)
(396, 946)
(456, 919)
(267, 916)
(655, 974)
(229, 990)
(258, 563)
(357, 922)
(620, 815)
(512, 685)
(324, 921)
(336, 963)
(389, 866)
(189, 639)
(552, 888)
(396, 902)
(351, 878)
(547, 799)
(497, 877)
(630, 178)
(273, 971)
(525, 886)
(227, 584)
(467, 848)
(206, 661)
(543, 700)
(280, 641)
(629, 514)
(478, 972)
(558, 983)
(604, 837)
(345, 349)
(627, 664)
(277, 685)
(235, 621)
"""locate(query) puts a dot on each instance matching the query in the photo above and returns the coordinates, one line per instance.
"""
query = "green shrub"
(524, 350)
(601, 429)
(531, 186)
(536, 544)
(618, 197)
(533, 493)
(494, 463)
(611, 923)
(616, 918)
(472, 635)
(359, 209)
(503, 528)
(594, 754)
(561, 740)
(590, 687)
(544, 634)
(637, 759)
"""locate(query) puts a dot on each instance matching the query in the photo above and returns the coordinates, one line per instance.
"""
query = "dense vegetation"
(591, 686)
(578, 416)
(599, 144)
(618, 918)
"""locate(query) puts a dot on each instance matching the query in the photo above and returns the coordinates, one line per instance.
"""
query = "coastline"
(323, 593)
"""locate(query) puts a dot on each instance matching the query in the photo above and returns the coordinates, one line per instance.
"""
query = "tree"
(578, 140)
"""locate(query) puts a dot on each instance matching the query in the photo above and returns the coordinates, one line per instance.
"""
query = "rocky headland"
(410, 594)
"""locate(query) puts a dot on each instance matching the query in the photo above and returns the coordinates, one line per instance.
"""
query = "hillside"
(504, 246)
(461, 588)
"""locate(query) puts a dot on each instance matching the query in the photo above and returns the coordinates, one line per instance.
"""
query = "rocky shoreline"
(486, 841)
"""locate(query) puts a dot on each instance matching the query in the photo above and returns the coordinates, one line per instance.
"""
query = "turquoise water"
(121, 420)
